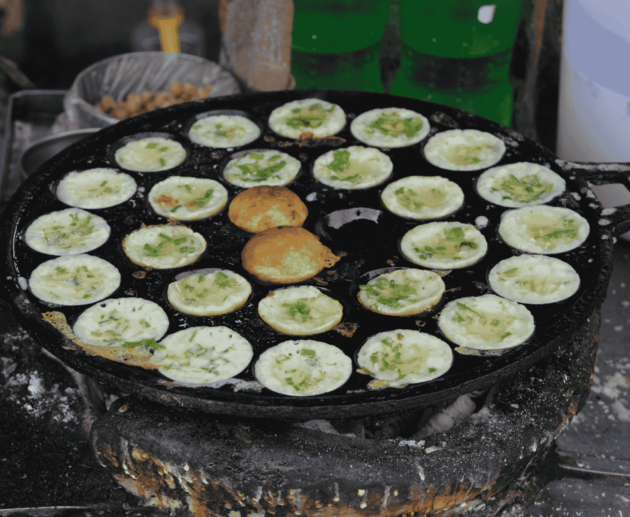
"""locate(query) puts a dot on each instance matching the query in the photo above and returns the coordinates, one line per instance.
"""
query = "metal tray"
(30, 115)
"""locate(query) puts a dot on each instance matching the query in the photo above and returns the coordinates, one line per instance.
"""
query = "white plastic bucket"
(594, 104)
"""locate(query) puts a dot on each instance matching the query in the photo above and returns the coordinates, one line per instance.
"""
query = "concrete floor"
(594, 450)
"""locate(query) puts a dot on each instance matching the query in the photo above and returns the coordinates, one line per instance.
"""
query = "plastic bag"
(136, 72)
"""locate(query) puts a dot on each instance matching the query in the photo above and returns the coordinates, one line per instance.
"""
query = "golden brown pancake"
(259, 208)
(285, 255)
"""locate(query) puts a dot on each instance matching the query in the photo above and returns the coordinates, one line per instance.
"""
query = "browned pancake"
(139, 356)
(259, 208)
(285, 255)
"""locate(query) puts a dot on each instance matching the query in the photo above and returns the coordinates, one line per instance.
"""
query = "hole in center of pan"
(356, 229)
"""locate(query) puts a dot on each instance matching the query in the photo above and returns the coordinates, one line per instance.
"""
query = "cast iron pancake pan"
(369, 244)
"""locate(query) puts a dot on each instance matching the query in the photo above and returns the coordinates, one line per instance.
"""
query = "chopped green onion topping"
(341, 161)
(225, 282)
(149, 343)
(391, 124)
(299, 309)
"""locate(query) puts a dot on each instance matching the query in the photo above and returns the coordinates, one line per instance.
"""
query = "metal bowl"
(40, 151)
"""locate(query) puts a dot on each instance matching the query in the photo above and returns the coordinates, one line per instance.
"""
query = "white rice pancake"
(186, 199)
(164, 247)
(354, 167)
(256, 168)
(122, 321)
(74, 280)
(520, 184)
(543, 229)
(444, 245)
(486, 322)
(302, 368)
(423, 197)
(390, 127)
(150, 154)
(464, 150)
(402, 292)
(96, 188)
(224, 131)
(405, 357)
(300, 311)
(203, 355)
(68, 232)
(534, 279)
(209, 294)
(314, 116)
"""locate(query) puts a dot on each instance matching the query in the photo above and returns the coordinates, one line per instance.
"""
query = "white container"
(594, 104)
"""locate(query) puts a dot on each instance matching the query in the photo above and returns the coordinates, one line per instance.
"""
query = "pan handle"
(618, 218)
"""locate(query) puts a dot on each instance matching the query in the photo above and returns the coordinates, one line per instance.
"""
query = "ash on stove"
(47, 411)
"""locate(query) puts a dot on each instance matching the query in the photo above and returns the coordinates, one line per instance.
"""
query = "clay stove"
(200, 464)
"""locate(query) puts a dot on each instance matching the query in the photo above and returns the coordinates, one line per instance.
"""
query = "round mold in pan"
(197, 272)
(188, 124)
(339, 297)
(140, 136)
(235, 156)
(357, 229)
(354, 399)
(384, 170)
(370, 275)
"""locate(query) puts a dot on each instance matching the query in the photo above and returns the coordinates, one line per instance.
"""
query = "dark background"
(62, 37)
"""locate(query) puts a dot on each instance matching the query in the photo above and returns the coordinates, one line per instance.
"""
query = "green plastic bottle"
(337, 44)
(458, 52)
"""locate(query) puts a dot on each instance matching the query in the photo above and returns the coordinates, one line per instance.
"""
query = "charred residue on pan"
(227, 244)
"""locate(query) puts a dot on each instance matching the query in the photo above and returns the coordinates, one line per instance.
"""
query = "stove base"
(202, 464)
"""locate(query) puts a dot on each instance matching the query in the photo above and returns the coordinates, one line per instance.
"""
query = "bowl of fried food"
(127, 85)
(136, 104)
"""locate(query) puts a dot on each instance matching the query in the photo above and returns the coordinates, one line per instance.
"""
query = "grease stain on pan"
(210, 160)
